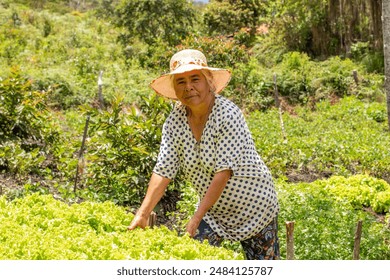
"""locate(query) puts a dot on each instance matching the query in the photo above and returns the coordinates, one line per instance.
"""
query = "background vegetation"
(52, 52)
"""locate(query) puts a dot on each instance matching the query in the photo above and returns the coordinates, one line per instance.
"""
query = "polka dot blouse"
(248, 202)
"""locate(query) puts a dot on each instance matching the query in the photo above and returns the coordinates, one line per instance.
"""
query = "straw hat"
(185, 61)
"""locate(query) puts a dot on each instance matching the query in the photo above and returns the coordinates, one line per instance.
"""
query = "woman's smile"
(190, 95)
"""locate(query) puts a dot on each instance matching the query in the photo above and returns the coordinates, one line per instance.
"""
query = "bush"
(27, 132)
(122, 149)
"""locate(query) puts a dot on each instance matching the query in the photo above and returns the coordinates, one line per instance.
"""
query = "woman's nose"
(188, 86)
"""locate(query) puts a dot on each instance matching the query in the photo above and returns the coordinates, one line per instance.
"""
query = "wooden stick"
(358, 237)
(290, 240)
(152, 219)
(355, 77)
(100, 90)
(81, 154)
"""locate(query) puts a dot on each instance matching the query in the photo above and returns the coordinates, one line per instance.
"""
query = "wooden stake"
(152, 219)
(355, 77)
(80, 161)
(100, 90)
(290, 240)
(358, 237)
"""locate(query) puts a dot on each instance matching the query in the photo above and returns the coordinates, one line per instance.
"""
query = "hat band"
(188, 60)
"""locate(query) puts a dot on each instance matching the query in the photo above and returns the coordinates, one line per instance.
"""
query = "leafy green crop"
(326, 216)
(360, 191)
(41, 227)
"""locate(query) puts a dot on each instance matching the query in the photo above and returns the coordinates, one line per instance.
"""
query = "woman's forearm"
(156, 189)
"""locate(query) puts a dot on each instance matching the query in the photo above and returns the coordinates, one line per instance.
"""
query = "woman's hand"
(193, 225)
(138, 221)
(156, 189)
(213, 193)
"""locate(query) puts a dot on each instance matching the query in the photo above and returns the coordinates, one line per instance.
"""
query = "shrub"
(123, 148)
(27, 132)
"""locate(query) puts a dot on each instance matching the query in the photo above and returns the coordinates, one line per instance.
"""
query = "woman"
(206, 136)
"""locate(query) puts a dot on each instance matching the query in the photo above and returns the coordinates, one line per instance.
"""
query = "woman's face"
(191, 88)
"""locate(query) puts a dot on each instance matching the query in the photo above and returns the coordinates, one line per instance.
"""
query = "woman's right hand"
(138, 221)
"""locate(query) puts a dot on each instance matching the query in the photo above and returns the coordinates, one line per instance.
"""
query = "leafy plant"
(38, 227)
(150, 21)
(27, 134)
(123, 148)
(325, 219)
(360, 191)
(339, 139)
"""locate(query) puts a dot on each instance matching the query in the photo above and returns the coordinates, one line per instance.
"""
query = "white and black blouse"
(249, 202)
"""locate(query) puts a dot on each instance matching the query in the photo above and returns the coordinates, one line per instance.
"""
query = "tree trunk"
(386, 51)
(376, 13)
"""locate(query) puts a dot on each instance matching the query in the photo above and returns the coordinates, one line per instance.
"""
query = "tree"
(386, 50)
(327, 27)
(227, 17)
(152, 21)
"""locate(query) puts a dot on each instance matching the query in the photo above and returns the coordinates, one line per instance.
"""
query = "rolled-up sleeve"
(231, 142)
(167, 161)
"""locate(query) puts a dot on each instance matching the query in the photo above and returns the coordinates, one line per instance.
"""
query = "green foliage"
(225, 17)
(154, 22)
(324, 28)
(22, 110)
(360, 191)
(64, 54)
(341, 138)
(301, 80)
(16, 160)
(26, 129)
(325, 222)
(59, 56)
(41, 228)
(220, 51)
(122, 149)
(373, 61)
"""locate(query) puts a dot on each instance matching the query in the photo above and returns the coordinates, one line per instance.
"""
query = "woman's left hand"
(192, 226)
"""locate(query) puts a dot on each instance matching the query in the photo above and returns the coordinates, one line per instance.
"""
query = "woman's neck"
(202, 110)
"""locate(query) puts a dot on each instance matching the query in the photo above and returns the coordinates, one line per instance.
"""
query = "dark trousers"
(262, 246)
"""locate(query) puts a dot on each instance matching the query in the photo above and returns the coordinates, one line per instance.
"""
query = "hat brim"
(163, 85)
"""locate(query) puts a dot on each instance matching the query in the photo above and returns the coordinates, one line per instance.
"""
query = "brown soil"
(306, 176)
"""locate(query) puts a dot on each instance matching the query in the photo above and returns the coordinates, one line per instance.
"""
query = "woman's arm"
(156, 189)
(212, 195)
